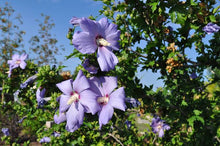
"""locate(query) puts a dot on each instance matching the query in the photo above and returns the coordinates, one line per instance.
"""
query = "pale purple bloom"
(5, 131)
(17, 61)
(59, 118)
(56, 134)
(40, 97)
(75, 21)
(89, 67)
(193, 76)
(28, 81)
(45, 140)
(98, 34)
(108, 98)
(134, 102)
(159, 126)
(211, 28)
(76, 99)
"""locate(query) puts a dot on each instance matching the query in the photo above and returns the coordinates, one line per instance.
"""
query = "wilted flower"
(134, 102)
(21, 120)
(159, 126)
(211, 28)
(89, 67)
(75, 21)
(5, 131)
(56, 134)
(40, 97)
(16, 99)
(107, 98)
(98, 34)
(193, 75)
(128, 123)
(28, 81)
(76, 99)
(16, 62)
(45, 140)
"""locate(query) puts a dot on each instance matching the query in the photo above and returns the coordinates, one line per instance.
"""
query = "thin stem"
(3, 96)
(116, 139)
(155, 138)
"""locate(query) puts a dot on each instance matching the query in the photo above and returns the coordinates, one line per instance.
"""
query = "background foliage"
(155, 35)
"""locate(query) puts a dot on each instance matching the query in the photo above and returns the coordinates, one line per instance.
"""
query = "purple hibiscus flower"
(89, 67)
(102, 35)
(76, 99)
(107, 98)
(159, 126)
(211, 28)
(45, 140)
(5, 131)
(17, 61)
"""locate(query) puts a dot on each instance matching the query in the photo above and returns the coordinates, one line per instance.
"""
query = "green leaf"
(198, 118)
(216, 9)
(173, 17)
(194, 26)
(154, 6)
(184, 103)
(197, 112)
(212, 18)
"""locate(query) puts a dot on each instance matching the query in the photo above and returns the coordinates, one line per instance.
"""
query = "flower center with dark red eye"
(100, 41)
(103, 100)
(18, 62)
(73, 98)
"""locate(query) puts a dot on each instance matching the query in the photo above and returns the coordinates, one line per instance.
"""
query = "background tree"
(11, 38)
(43, 46)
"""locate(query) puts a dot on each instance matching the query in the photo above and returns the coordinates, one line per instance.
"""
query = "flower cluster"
(96, 94)
(91, 96)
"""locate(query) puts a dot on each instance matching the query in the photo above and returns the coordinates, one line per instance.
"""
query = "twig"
(217, 139)
(129, 49)
(116, 139)
(154, 139)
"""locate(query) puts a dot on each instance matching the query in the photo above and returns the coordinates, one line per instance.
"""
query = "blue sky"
(61, 11)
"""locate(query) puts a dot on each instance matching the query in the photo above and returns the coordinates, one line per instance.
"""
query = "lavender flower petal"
(117, 99)
(105, 115)
(106, 59)
(75, 116)
(60, 118)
